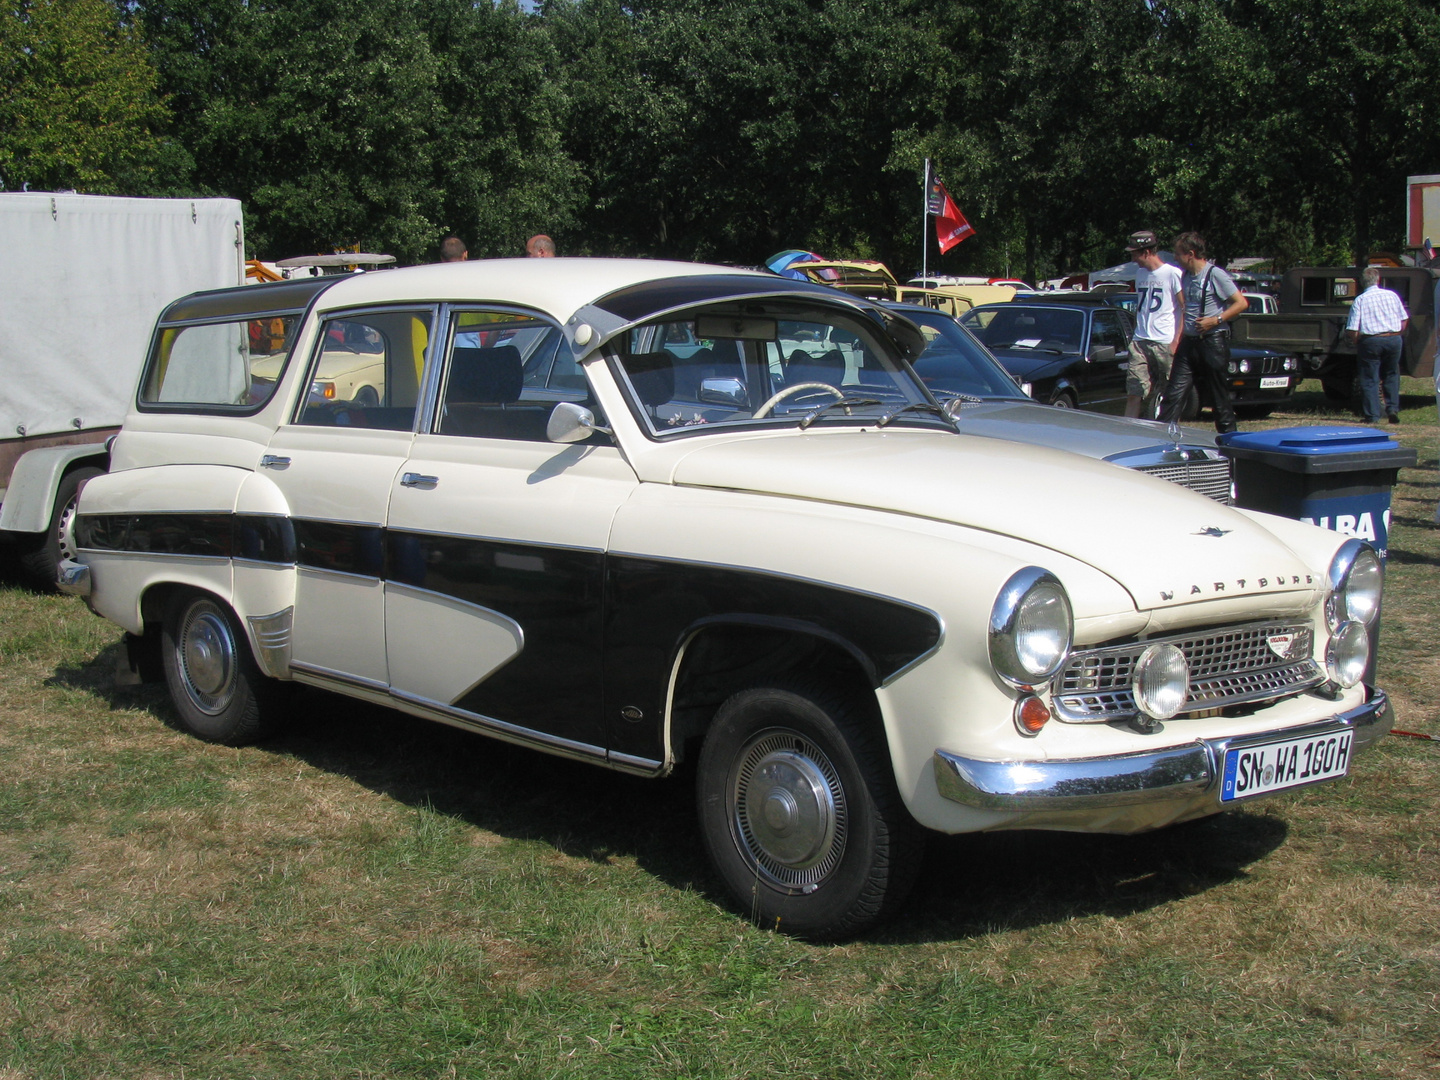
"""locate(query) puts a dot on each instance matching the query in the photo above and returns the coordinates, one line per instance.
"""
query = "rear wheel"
(41, 556)
(800, 814)
(218, 689)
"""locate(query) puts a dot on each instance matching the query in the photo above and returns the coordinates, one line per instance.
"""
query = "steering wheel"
(791, 391)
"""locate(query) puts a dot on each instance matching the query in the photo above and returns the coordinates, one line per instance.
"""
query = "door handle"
(270, 461)
(418, 480)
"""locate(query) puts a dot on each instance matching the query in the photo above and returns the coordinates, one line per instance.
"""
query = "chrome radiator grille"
(1228, 666)
(1210, 477)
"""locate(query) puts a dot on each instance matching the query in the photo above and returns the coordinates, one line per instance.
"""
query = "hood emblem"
(1212, 530)
(1281, 644)
(1172, 431)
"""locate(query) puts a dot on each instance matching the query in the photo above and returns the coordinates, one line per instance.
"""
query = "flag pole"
(924, 223)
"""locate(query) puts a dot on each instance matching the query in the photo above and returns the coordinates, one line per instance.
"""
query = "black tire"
(1342, 388)
(835, 851)
(1062, 400)
(219, 692)
(40, 557)
(367, 398)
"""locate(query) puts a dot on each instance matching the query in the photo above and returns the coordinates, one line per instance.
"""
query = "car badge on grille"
(1280, 644)
(1212, 530)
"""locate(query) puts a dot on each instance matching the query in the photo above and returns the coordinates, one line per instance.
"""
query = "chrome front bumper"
(1174, 773)
(72, 578)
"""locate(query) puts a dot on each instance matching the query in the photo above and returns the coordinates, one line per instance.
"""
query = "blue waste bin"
(1336, 477)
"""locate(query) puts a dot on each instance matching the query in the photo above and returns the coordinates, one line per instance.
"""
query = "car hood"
(1166, 545)
(1030, 364)
(1092, 434)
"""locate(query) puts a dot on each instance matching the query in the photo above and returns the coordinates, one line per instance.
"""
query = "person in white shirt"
(1159, 310)
(1377, 330)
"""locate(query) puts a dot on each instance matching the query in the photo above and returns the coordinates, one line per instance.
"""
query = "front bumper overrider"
(1173, 773)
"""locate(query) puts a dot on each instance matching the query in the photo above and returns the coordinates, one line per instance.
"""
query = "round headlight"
(1030, 627)
(1348, 654)
(1244, 367)
(1161, 682)
(1356, 578)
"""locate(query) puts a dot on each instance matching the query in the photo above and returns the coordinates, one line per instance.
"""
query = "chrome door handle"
(418, 480)
(270, 461)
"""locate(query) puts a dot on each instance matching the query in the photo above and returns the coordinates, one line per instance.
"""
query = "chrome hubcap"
(207, 659)
(788, 810)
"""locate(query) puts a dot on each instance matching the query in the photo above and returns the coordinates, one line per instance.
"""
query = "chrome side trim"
(637, 765)
(73, 579)
(1148, 776)
(272, 640)
(500, 729)
(327, 675)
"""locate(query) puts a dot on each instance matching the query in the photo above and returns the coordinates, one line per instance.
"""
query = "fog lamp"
(1348, 654)
(1031, 714)
(1161, 681)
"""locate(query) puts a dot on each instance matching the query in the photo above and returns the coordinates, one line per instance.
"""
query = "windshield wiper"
(918, 406)
(846, 403)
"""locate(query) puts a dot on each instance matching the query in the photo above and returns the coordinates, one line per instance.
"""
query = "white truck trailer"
(83, 278)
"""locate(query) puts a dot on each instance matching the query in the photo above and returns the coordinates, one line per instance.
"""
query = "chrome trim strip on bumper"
(73, 579)
(1085, 783)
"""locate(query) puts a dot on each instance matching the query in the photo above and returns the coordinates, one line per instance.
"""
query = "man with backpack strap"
(1212, 300)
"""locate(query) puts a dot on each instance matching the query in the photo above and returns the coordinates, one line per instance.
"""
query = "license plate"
(1274, 382)
(1259, 770)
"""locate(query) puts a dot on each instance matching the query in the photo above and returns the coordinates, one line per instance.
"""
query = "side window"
(367, 369)
(1108, 329)
(504, 374)
(225, 365)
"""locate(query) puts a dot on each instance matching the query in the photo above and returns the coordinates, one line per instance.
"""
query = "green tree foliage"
(730, 129)
(378, 123)
(78, 100)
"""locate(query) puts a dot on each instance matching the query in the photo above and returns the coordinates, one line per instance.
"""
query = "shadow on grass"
(969, 886)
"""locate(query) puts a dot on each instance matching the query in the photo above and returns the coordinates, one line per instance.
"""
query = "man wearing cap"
(1159, 312)
(1377, 330)
(1212, 300)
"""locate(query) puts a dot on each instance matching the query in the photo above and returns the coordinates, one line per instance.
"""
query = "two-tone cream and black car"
(642, 513)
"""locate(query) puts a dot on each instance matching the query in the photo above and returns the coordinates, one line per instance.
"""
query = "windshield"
(768, 363)
(1027, 327)
(954, 363)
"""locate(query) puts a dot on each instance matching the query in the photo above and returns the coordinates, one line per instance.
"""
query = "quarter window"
(218, 365)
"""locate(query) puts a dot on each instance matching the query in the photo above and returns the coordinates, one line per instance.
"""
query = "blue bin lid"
(1311, 441)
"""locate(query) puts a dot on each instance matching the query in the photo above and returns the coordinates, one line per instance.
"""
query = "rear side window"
(232, 365)
(367, 370)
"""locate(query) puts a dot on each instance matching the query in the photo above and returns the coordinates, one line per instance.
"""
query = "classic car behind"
(722, 525)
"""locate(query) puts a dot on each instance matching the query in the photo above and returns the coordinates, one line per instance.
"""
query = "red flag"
(950, 224)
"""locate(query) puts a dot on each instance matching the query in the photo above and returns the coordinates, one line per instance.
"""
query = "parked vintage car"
(1068, 353)
(788, 568)
(986, 400)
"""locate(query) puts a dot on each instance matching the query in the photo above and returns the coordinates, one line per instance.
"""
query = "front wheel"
(800, 814)
(218, 689)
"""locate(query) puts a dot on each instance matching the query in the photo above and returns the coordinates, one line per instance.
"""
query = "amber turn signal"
(1031, 714)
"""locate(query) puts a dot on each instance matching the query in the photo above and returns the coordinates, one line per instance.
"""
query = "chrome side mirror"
(725, 391)
(571, 423)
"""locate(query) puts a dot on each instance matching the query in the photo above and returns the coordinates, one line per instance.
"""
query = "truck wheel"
(217, 688)
(40, 558)
(800, 815)
(1340, 388)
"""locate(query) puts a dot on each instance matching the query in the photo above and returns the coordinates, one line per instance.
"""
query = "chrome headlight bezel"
(1031, 605)
(1357, 579)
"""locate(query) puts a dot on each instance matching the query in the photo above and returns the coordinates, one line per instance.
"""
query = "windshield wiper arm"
(918, 406)
(846, 403)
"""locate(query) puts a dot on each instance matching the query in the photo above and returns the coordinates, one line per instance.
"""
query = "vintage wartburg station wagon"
(650, 514)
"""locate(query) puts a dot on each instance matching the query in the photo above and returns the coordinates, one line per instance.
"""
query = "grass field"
(374, 896)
